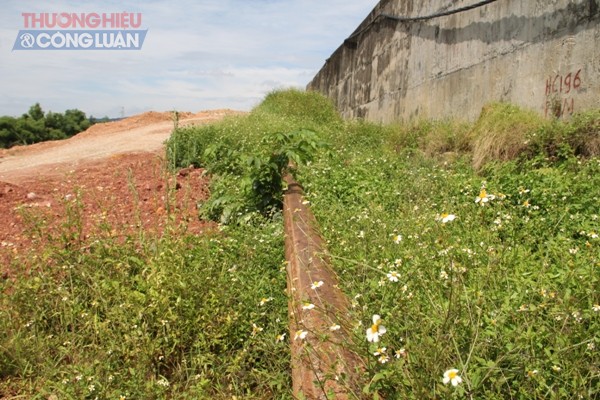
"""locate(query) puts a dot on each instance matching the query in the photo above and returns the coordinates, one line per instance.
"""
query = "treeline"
(35, 126)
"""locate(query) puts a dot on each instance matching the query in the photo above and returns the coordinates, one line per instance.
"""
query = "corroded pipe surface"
(322, 365)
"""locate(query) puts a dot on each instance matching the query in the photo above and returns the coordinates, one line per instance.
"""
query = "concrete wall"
(540, 54)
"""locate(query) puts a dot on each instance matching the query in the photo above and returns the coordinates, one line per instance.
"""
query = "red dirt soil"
(109, 181)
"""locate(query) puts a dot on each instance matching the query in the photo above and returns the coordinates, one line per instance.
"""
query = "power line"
(439, 14)
(413, 19)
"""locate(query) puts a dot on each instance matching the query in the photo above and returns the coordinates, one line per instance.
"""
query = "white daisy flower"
(316, 285)
(452, 376)
(393, 276)
(375, 330)
(446, 218)
(300, 334)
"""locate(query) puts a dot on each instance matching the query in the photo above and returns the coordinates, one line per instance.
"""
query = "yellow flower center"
(452, 374)
(444, 215)
(482, 194)
(375, 328)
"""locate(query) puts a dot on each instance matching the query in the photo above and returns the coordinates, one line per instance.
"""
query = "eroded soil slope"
(110, 180)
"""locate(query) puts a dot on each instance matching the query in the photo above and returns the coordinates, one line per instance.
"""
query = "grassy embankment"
(503, 289)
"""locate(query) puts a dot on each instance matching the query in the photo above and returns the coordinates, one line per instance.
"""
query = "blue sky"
(197, 55)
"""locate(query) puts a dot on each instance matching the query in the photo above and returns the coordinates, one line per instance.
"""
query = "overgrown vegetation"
(494, 274)
(172, 317)
(248, 156)
(481, 257)
(35, 126)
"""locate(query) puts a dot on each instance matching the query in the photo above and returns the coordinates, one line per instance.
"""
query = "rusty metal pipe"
(323, 366)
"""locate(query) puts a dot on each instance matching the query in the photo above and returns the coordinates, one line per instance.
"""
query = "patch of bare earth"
(110, 181)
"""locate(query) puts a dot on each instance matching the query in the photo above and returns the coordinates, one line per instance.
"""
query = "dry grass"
(445, 137)
(584, 137)
(433, 138)
(501, 133)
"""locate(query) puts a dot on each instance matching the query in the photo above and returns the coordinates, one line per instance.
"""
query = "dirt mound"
(143, 132)
(104, 128)
(112, 198)
(218, 113)
(30, 148)
(135, 121)
(113, 175)
(154, 117)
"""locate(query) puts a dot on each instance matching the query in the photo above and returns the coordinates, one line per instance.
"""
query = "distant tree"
(75, 122)
(94, 120)
(36, 127)
(30, 131)
(8, 129)
(35, 112)
(54, 120)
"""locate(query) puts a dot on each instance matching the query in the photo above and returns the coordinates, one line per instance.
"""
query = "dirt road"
(142, 133)
(114, 174)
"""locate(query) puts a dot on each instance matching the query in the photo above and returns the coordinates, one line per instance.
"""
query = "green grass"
(248, 155)
(502, 290)
(171, 317)
(506, 293)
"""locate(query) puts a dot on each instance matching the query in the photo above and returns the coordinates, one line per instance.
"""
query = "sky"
(197, 55)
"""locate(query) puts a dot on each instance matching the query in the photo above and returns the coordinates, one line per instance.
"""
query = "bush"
(501, 133)
(248, 156)
(583, 133)
(300, 105)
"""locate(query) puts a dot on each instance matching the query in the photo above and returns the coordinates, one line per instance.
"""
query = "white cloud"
(197, 55)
